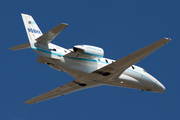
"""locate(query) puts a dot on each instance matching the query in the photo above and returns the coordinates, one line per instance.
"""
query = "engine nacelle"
(89, 51)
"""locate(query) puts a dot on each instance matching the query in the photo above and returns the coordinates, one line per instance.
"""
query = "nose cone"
(160, 87)
(153, 84)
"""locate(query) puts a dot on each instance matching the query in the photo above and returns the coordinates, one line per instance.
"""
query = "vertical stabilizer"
(33, 31)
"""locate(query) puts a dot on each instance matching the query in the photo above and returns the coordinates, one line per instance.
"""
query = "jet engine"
(89, 51)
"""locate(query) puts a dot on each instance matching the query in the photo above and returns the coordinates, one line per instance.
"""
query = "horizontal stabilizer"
(22, 46)
(50, 35)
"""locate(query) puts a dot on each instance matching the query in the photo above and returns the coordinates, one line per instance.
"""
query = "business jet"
(86, 64)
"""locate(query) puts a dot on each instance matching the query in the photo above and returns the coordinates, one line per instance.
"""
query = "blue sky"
(120, 28)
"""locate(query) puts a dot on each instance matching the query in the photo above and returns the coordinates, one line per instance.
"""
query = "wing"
(115, 69)
(50, 35)
(70, 87)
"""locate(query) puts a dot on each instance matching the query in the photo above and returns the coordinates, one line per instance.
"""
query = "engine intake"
(89, 51)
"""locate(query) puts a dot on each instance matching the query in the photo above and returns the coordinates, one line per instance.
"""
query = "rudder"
(33, 31)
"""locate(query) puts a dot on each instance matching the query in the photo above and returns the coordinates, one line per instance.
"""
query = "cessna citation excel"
(86, 63)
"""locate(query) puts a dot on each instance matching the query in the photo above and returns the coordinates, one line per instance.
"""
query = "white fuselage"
(133, 77)
(87, 64)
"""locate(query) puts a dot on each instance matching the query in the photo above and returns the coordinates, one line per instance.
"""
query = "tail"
(33, 31)
(35, 35)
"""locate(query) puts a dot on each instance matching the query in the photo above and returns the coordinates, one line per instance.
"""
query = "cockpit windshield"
(144, 71)
(138, 68)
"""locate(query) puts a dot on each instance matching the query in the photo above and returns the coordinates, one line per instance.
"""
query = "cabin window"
(53, 49)
(106, 61)
(133, 67)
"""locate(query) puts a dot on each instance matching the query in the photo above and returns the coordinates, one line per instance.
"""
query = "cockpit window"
(137, 68)
(144, 71)
(53, 49)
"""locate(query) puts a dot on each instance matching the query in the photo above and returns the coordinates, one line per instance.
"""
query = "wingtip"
(29, 102)
(167, 40)
(65, 24)
(10, 48)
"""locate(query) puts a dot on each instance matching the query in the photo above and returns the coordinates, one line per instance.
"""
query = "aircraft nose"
(157, 86)
(161, 88)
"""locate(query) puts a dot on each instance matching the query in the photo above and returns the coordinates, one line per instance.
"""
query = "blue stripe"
(143, 76)
(45, 51)
(53, 53)
(81, 59)
(93, 54)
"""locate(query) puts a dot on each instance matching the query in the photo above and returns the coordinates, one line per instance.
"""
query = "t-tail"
(33, 31)
(35, 35)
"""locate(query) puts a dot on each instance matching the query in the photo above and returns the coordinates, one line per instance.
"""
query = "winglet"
(168, 39)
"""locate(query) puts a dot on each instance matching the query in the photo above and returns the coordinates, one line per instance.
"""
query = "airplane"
(86, 64)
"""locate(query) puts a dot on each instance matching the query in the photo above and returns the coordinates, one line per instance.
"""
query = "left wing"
(72, 86)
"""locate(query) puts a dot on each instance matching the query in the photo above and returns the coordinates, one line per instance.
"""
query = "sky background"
(120, 27)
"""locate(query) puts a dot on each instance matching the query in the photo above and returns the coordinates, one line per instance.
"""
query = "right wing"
(51, 34)
(115, 69)
(70, 87)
